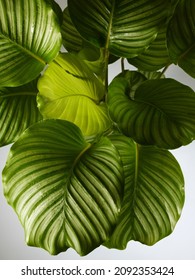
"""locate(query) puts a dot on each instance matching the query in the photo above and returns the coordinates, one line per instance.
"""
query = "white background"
(179, 245)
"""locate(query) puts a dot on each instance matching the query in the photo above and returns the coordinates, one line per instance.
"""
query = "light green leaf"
(18, 110)
(181, 36)
(29, 39)
(69, 90)
(155, 57)
(154, 194)
(65, 191)
(125, 27)
(162, 112)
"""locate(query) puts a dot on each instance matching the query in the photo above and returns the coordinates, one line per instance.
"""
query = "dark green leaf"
(181, 36)
(125, 27)
(18, 110)
(155, 57)
(162, 112)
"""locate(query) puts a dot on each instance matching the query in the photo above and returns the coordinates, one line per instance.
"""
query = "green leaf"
(65, 191)
(125, 27)
(71, 39)
(56, 8)
(155, 57)
(29, 39)
(134, 79)
(161, 113)
(181, 36)
(73, 42)
(154, 194)
(18, 110)
(69, 90)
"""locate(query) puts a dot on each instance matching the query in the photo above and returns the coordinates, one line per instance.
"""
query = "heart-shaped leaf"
(69, 90)
(30, 38)
(161, 113)
(181, 36)
(67, 192)
(125, 27)
(154, 194)
(18, 110)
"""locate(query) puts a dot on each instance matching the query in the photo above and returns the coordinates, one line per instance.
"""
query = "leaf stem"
(123, 64)
(164, 70)
(106, 53)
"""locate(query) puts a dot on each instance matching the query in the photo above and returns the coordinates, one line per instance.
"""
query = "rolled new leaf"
(66, 192)
(154, 194)
(30, 38)
(161, 112)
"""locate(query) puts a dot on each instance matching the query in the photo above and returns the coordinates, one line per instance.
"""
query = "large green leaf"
(125, 27)
(181, 36)
(155, 57)
(18, 110)
(90, 54)
(66, 192)
(29, 39)
(154, 194)
(161, 113)
(69, 90)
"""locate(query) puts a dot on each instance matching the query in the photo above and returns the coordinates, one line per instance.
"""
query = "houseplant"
(97, 169)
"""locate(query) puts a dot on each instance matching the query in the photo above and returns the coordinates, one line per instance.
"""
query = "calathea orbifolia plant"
(91, 164)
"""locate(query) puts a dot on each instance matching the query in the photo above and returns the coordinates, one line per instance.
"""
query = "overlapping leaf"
(125, 27)
(90, 54)
(155, 57)
(161, 113)
(69, 90)
(154, 194)
(181, 36)
(29, 39)
(66, 192)
(18, 110)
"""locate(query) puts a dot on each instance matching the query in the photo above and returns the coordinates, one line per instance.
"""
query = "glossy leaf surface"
(66, 191)
(29, 39)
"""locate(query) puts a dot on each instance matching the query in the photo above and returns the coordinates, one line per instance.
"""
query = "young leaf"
(154, 194)
(125, 27)
(29, 39)
(69, 90)
(66, 192)
(181, 36)
(161, 113)
(18, 110)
